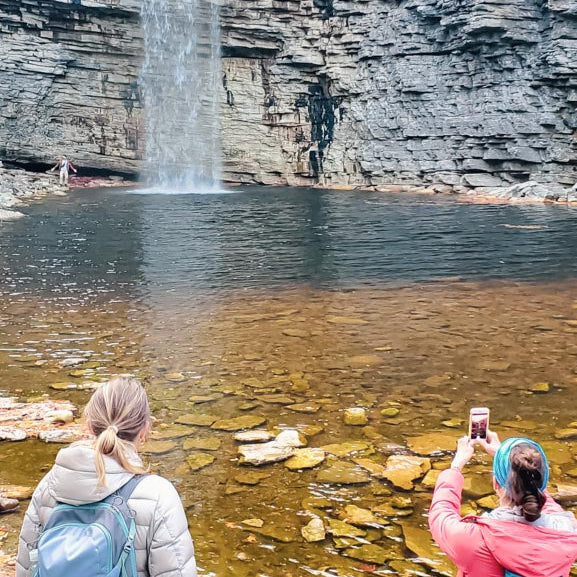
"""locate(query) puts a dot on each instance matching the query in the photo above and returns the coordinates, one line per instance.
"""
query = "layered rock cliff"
(473, 93)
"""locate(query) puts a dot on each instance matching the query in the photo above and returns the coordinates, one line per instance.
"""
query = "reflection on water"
(260, 300)
(101, 241)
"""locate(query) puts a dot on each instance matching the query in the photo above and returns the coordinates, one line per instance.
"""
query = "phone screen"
(478, 423)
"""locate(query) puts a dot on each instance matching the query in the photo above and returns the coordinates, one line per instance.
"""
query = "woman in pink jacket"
(528, 535)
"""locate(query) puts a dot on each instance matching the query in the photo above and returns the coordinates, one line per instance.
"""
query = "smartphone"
(478, 423)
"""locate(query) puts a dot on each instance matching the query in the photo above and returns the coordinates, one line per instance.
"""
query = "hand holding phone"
(478, 423)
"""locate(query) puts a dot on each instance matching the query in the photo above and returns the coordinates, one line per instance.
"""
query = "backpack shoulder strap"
(126, 490)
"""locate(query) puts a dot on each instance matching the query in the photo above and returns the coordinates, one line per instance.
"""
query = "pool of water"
(272, 297)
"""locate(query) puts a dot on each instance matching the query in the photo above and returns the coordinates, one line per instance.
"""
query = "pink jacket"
(485, 547)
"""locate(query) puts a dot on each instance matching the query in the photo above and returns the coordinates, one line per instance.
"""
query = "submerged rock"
(305, 459)
(356, 416)
(341, 529)
(202, 420)
(199, 461)
(402, 470)
(206, 444)
(314, 531)
(239, 423)
(254, 436)
(159, 447)
(344, 473)
(358, 516)
(432, 444)
(263, 453)
(419, 542)
(370, 553)
(347, 448)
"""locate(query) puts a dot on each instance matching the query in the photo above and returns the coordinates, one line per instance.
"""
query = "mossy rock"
(343, 473)
(368, 553)
(305, 459)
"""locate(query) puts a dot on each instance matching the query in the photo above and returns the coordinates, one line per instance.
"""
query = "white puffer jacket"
(163, 543)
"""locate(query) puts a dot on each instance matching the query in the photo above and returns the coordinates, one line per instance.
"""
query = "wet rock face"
(334, 91)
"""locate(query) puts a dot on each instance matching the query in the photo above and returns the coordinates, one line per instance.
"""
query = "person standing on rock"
(528, 535)
(65, 166)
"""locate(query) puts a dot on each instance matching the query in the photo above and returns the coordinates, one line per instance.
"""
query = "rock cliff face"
(472, 93)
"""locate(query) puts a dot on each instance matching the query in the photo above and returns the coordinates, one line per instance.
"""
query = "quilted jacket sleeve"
(455, 537)
(30, 532)
(171, 551)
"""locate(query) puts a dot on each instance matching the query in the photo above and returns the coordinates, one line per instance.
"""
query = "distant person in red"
(65, 166)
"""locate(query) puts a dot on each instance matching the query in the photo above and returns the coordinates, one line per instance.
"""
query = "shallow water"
(334, 299)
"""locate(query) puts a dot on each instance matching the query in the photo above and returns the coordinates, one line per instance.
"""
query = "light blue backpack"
(92, 540)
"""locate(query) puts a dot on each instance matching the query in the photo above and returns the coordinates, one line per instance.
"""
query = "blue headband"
(502, 460)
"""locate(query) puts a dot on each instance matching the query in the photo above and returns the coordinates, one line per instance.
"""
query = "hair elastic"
(114, 428)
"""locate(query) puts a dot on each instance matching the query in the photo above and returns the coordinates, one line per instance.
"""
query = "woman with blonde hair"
(88, 472)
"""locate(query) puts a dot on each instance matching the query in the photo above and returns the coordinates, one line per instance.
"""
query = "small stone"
(314, 531)
(477, 485)
(175, 377)
(453, 423)
(566, 434)
(365, 360)
(8, 505)
(18, 492)
(291, 438)
(276, 533)
(61, 435)
(402, 470)
(63, 386)
(199, 399)
(71, 361)
(540, 388)
(305, 459)
(208, 444)
(375, 469)
(62, 416)
(12, 434)
(254, 436)
(304, 407)
(314, 502)
(198, 461)
(253, 522)
(432, 444)
(419, 542)
(197, 420)
(390, 412)
(276, 399)
(368, 553)
(356, 416)
(262, 453)
(164, 433)
(239, 423)
(358, 516)
(347, 448)
(341, 529)
(430, 479)
(489, 502)
(159, 447)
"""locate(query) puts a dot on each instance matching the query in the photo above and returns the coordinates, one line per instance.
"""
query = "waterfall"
(180, 80)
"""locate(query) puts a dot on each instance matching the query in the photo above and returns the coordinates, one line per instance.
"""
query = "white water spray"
(181, 77)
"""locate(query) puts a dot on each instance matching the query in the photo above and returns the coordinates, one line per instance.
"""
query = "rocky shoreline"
(19, 187)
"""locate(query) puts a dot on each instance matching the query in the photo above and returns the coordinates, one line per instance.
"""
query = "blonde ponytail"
(117, 413)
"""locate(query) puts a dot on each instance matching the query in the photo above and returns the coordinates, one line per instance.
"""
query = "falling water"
(180, 79)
